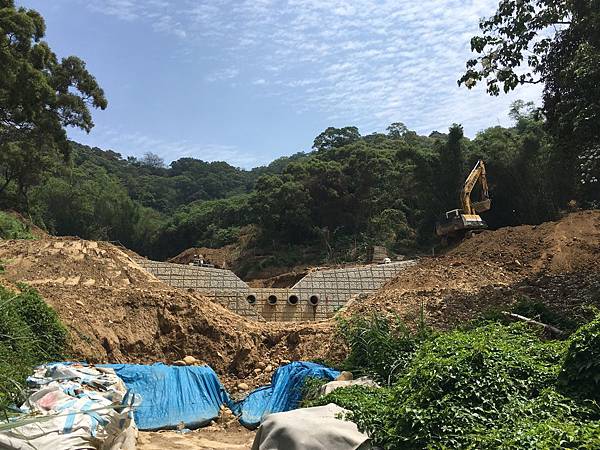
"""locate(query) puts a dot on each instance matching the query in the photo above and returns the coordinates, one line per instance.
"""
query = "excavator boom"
(477, 174)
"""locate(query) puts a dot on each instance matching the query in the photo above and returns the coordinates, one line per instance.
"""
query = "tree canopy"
(39, 97)
(328, 204)
(555, 43)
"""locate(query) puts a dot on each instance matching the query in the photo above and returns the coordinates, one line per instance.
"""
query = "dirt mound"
(285, 280)
(565, 246)
(117, 312)
(223, 257)
(556, 262)
(72, 262)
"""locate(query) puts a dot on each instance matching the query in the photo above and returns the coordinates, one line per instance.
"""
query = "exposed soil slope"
(223, 257)
(118, 312)
(556, 262)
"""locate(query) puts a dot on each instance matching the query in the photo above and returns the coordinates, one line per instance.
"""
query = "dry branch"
(547, 327)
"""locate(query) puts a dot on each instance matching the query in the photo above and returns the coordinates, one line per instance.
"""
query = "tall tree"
(556, 43)
(152, 160)
(451, 170)
(39, 97)
(335, 137)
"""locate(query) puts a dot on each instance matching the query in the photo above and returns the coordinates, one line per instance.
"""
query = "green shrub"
(311, 388)
(494, 386)
(379, 346)
(368, 407)
(581, 367)
(12, 228)
(461, 382)
(30, 334)
(551, 420)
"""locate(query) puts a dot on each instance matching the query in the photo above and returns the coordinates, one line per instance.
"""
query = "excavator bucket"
(482, 206)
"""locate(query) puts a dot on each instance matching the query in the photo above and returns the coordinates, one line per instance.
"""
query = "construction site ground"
(115, 311)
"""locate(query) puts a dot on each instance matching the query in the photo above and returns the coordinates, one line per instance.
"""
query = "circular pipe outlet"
(314, 300)
(293, 299)
(251, 299)
(272, 299)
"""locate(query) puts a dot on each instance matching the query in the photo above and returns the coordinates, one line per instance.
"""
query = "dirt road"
(232, 438)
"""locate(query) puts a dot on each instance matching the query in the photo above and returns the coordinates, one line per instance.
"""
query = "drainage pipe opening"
(272, 299)
(314, 300)
(293, 299)
(251, 299)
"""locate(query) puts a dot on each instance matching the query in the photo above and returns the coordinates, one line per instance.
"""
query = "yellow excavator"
(461, 222)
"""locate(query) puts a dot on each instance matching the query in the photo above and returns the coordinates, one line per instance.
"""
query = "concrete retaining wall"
(333, 287)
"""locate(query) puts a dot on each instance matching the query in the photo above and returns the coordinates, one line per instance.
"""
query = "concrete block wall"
(331, 288)
(194, 277)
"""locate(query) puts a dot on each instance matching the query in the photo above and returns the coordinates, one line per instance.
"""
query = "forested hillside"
(349, 192)
(330, 203)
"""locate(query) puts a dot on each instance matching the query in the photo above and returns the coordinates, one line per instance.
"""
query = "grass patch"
(30, 334)
(493, 386)
(13, 228)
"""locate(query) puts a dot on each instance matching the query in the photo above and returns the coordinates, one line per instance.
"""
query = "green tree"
(518, 162)
(451, 171)
(39, 97)
(335, 137)
(556, 43)
(282, 209)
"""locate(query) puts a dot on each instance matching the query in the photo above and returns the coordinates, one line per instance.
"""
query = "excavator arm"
(484, 204)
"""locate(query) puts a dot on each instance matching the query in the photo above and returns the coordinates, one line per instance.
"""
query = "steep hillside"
(557, 263)
(116, 311)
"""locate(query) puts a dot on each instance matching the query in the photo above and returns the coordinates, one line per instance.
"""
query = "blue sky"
(249, 81)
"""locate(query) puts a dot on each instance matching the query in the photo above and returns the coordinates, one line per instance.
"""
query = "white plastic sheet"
(310, 429)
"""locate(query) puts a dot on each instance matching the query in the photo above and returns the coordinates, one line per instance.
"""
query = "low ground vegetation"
(491, 385)
(13, 228)
(30, 334)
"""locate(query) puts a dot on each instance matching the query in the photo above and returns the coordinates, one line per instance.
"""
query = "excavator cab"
(466, 220)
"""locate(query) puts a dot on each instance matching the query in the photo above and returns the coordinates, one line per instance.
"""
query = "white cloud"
(224, 74)
(362, 62)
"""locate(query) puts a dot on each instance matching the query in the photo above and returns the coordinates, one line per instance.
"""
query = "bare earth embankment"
(117, 312)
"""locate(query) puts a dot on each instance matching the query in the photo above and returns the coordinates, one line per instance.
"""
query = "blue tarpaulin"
(283, 394)
(171, 395)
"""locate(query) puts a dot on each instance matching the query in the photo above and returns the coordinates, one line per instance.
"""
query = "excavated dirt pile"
(117, 312)
(223, 257)
(557, 263)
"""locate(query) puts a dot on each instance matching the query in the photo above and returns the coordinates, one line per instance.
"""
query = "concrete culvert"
(272, 299)
(251, 299)
(293, 299)
(314, 300)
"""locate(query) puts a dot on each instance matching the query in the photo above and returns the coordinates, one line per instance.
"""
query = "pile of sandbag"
(73, 406)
